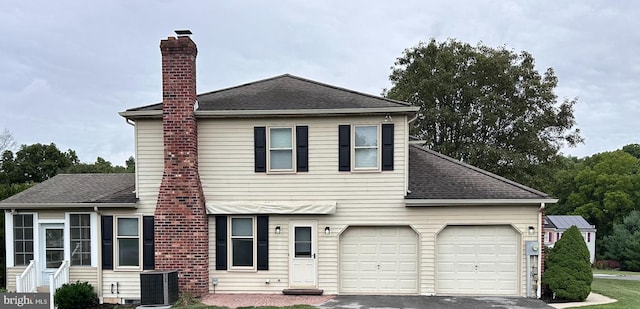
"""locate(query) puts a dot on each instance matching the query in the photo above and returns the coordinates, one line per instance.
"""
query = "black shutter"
(344, 148)
(302, 148)
(148, 250)
(107, 242)
(387, 147)
(260, 149)
(263, 242)
(221, 242)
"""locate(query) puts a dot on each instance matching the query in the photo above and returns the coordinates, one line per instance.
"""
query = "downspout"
(99, 250)
(541, 256)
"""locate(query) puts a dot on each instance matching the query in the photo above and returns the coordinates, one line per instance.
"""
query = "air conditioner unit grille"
(158, 287)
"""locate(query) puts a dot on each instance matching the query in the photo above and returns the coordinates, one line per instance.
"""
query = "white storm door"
(51, 250)
(302, 253)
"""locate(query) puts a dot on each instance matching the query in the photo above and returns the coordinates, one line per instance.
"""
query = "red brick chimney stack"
(181, 232)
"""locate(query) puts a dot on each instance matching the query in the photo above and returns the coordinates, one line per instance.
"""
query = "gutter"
(468, 202)
(93, 206)
(280, 113)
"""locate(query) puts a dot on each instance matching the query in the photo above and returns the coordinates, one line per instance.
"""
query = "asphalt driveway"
(431, 302)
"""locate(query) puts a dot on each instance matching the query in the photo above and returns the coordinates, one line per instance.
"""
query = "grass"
(626, 292)
(615, 272)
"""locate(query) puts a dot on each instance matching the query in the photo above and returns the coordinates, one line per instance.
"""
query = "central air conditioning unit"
(158, 287)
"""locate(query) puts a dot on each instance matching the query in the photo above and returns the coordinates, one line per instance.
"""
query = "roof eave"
(476, 202)
(409, 110)
(32, 206)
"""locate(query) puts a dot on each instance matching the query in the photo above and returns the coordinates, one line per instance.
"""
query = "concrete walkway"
(592, 299)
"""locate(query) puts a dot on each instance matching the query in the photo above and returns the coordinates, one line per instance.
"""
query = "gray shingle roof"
(565, 222)
(285, 92)
(435, 176)
(78, 188)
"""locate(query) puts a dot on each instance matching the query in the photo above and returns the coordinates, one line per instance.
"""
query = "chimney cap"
(185, 32)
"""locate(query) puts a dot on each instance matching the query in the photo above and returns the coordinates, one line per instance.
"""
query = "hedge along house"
(285, 184)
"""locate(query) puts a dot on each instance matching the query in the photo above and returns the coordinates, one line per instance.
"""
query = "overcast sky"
(67, 68)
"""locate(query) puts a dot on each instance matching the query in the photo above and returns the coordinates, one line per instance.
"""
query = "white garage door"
(379, 260)
(477, 260)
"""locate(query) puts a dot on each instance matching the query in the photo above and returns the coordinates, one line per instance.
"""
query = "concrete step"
(302, 292)
(42, 289)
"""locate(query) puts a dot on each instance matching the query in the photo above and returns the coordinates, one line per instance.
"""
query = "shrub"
(606, 264)
(79, 295)
(568, 273)
(624, 242)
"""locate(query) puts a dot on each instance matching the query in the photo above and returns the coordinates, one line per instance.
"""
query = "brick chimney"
(181, 231)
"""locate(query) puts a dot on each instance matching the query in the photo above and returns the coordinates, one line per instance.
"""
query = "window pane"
(366, 136)
(28, 233)
(128, 252)
(281, 159)
(127, 227)
(54, 238)
(366, 158)
(241, 227)
(54, 258)
(281, 138)
(242, 252)
(303, 249)
(28, 246)
(75, 220)
(303, 233)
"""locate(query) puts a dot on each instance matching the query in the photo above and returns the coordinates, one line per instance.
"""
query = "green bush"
(624, 242)
(79, 295)
(568, 273)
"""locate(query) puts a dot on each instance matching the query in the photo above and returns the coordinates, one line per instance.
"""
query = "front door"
(303, 255)
(51, 250)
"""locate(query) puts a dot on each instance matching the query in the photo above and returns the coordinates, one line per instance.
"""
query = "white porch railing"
(27, 282)
(56, 280)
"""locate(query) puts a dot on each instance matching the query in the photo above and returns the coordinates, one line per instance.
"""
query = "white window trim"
(8, 237)
(293, 150)
(93, 219)
(254, 244)
(378, 147)
(116, 244)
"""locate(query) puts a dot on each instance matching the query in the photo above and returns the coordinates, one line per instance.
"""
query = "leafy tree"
(100, 166)
(6, 141)
(487, 106)
(35, 163)
(632, 149)
(603, 188)
(623, 244)
(568, 273)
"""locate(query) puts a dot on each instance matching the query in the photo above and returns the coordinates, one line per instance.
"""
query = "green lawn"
(626, 292)
(614, 272)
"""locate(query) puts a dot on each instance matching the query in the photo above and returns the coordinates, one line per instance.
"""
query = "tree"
(568, 273)
(623, 244)
(486, 106)
(38, 162)
(6, 141)
(603, 188)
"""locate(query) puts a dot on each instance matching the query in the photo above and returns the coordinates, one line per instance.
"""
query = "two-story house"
(279, 184)
(554, 227)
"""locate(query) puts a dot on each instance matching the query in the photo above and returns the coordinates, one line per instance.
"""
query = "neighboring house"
(283, 183)
(554, 226)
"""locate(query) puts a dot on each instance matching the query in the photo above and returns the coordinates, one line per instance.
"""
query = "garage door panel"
(480, 260)
(387, 263)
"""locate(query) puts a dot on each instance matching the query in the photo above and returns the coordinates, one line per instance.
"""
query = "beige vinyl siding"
(12, 272)
(427, 221)
(226, 160)
(85, 274)
(51, 215)
(149, 163)
(127, 282)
